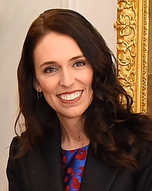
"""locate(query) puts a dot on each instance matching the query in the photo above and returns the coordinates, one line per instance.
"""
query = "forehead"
(55, 44)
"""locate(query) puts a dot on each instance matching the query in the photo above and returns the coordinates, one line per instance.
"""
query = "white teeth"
(69, 97)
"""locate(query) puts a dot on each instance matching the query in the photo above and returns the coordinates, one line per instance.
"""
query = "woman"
(80, 133)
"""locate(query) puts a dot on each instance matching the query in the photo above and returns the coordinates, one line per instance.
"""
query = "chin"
(71, 115)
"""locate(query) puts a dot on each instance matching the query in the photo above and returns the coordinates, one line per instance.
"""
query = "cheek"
(89, 79)
(47, 86)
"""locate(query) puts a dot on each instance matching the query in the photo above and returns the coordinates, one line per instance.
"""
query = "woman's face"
(63, 75)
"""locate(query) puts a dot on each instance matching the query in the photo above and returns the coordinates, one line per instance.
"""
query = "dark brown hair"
(115, 133)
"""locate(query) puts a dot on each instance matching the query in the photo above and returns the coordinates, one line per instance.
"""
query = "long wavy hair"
(115, 133)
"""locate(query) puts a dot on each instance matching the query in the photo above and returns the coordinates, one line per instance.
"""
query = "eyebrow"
(54, 62)
(77, 57)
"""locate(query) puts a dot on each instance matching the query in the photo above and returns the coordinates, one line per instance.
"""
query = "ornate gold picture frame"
(132, 49)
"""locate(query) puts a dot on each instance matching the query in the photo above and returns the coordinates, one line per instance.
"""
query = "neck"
(73, 135)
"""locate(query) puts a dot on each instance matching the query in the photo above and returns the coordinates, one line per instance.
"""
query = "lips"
(70, 96)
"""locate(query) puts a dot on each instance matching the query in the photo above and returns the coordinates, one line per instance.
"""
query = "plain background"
(15, 19)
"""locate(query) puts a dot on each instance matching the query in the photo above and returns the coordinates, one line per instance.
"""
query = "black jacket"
(41, 170)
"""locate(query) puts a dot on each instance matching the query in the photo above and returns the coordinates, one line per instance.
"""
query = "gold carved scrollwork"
(132, 50)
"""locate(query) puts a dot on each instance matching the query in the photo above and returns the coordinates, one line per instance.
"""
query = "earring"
(39, 95)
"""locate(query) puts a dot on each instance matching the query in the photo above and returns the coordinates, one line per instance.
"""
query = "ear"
(37, 85)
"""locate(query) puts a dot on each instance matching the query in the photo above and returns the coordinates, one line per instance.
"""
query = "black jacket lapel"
(98, 176)
(46, 168)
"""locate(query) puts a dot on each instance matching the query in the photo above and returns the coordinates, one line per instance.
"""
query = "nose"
(67, 78)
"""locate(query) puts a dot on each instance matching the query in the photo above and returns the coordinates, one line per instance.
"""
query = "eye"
(77, 64)
(50, 70)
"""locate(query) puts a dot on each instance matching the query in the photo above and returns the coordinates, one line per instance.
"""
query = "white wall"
(102, 14)
(15, 18)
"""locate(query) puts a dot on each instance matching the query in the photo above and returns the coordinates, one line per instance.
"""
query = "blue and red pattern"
(73, 167)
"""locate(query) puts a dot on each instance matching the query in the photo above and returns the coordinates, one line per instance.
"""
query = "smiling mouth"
(71, 96)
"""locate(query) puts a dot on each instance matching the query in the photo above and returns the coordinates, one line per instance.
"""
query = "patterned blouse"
(73, 167)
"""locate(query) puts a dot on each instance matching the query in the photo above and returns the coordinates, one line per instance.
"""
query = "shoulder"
(144, 172)
(141, 126)
(144, 156)
(17, 147)
(12, 168)
(14, 146)
(15, 141)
